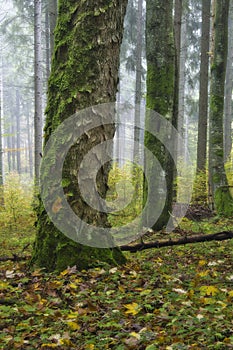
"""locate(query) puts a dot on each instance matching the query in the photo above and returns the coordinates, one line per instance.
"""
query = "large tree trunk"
(223, 201)
(228, 90)
(84, 73)
(204, 84)
(160, 98)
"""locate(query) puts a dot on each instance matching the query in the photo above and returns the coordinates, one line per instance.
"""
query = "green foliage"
(183, 182)
(229, 172)
(16, 215)
(124, 182)
(200, 194)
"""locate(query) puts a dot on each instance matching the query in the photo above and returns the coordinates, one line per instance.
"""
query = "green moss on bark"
(84, 73)
(223, 202)
(160, 98)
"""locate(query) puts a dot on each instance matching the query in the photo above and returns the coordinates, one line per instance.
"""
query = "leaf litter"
(171, 298)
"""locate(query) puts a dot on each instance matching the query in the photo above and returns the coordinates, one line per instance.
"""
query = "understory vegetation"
(169, 298)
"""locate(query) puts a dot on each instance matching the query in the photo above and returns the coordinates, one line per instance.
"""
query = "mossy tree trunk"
(223, 200)
(201, 173)
(84, 73)
(228, 90)
(160, 54)
(204, 85)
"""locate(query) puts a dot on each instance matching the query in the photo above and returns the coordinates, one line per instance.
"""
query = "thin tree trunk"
(29, 142)
(38, 88)
(177, 37)
(13, 139)
(47, 41)
(138, 92)
(52, 22)
(18, 155)
(183, 57)
(203, 90)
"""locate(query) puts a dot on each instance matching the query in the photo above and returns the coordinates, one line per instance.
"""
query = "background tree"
(38, 86)
(160, 54)
(223, 201)
(203, 89)
(84, 73)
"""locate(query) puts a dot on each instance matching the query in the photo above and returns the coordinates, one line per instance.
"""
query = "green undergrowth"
(17, 217)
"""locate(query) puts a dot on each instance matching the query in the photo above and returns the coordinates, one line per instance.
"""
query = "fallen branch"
(220, 236)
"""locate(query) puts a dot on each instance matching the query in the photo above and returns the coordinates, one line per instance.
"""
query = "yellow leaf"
(73, 286)
(145, 292)
(4, 285)
(89, 347)
(73, 326)
(50, 345)
(121, 288)
(132, 309)
(207, 301)
(202, 262)
(64, 273)
(230, 293)
(209, 290)
(73, 315)
(203, 273)
(135, 335)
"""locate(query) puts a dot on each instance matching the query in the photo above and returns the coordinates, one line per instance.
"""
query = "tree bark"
(29, 141)
(228, 90)
(52, 10)
(18, 144)
(1, 143)
(183, 58)
(160, 52)
(223, 200)
(138, 90)
(84, 73)
(203, 90)
(38, 88)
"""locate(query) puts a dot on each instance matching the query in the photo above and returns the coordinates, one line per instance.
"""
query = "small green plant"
(200, 193)
(16, 214)
(124, 183)
(229, 172)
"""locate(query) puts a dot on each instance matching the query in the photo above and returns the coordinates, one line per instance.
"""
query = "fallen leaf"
(209, 290)
(132, 309)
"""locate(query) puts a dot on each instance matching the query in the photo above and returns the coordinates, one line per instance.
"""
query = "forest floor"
(169, 298)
